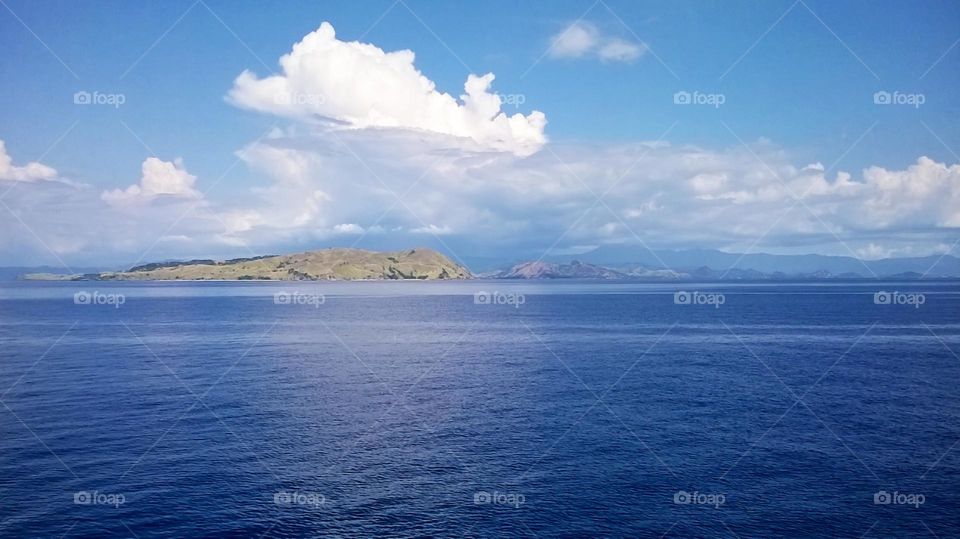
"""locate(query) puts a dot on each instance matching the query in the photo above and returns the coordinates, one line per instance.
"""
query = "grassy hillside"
(327, 264)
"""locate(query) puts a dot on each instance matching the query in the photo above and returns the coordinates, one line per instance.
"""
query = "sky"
(135, 132)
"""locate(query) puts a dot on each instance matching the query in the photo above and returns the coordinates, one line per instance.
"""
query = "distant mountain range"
(619, 262)
(933, 265)
(607, 262)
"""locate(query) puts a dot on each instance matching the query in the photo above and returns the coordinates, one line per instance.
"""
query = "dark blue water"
(408, 410)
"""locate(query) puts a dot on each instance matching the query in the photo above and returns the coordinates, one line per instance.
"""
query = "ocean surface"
(479, 409)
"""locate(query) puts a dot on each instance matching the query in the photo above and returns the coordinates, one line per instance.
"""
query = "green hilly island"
(326, 264)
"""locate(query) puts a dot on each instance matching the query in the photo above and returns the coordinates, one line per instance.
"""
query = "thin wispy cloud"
(583, 39)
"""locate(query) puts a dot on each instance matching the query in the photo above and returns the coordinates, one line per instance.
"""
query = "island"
(323, 265)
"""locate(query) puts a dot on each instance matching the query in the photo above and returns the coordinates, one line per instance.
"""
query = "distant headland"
(323, 265)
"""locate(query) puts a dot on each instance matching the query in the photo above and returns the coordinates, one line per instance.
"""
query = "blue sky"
(797, 80)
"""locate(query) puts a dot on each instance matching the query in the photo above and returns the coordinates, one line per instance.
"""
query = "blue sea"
(479, 409)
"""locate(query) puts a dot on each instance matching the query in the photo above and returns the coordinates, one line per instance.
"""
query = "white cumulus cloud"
(582, 38)
(620, 50)
(359, 85)
(159, 179)
(574, 41)
(32, 171)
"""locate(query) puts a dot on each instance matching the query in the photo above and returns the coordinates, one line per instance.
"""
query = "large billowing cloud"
(360, 85)
(30, 172)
